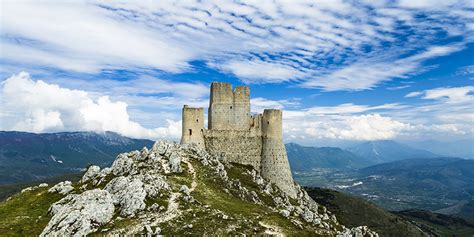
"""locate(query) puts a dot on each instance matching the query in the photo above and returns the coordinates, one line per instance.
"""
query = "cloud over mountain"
(37, 106)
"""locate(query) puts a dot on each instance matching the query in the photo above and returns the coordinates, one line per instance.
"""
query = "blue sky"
(341, 70)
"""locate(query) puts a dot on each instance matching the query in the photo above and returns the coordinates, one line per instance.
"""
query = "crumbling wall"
(229, 109)
(192, 126)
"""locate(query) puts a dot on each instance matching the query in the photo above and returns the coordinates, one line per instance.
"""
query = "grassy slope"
(439, 224)
(10, 189)
(353, 211)
(244, 214)
(25, 214)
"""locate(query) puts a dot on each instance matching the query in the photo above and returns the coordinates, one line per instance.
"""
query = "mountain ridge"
(388, 150)
(27, 157)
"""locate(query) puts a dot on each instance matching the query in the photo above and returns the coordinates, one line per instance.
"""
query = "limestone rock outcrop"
(146, 189)
(80, 214)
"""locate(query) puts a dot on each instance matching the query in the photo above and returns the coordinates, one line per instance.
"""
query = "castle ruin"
(238, 135)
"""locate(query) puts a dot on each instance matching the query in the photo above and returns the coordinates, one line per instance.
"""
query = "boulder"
(92, 172)
(62, 188)
(80, 214)
(128, 193)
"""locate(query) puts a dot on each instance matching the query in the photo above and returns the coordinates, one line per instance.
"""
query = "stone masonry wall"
(229, 109)
(274, 163)
(242, 147)
(192, 126)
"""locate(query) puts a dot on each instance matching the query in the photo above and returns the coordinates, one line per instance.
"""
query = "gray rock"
(360, 231)
(123, 165)
(285, 213)
(79, 215)
(92, 172)
(154, 207)
(148, 229)
(27, 189)
(62, 188)
(144, 153)
(160, 147)
(175, 163)
(184, 189)
(153, 184)
(129, 194)
(307, 215)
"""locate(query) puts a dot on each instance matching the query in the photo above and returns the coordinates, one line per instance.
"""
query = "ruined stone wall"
(242, 147)
(241, 108)
(220, 104)
(192, 126)
(274, 163)
(229, 109)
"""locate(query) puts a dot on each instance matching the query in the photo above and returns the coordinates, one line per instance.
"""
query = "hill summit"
(170, 189)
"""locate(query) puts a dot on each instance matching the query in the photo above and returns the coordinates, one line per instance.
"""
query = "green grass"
(26, 214)
(244, 216)
(353, 211)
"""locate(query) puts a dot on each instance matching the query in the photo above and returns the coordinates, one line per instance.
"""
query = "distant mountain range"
(304, 159)
(445, 184)
(26, 157)
(388, 150)
(459, 148)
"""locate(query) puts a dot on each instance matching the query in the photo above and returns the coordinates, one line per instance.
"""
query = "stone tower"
(229, 109)
(192, 126)
(254, 140)
(274, 164)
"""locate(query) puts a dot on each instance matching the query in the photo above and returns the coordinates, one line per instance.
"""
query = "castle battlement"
(238, 135)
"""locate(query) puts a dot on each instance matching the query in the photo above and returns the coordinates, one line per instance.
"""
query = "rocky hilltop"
(170, 189)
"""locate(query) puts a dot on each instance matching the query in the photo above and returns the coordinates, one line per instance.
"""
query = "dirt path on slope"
(173, 205)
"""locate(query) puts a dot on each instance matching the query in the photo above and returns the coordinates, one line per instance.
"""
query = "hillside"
(172, 190)
(26, 157)
(429, 184)
(304, 159)
(387, 151)
(351, 211)
(438, 224)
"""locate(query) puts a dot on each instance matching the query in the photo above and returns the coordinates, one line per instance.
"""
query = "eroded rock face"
(92, 172)
(128, 193)
(80, 214)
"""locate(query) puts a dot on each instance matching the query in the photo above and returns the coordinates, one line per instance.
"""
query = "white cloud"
(80, 36)
(350, 127)
(414, 94)
(256, 71)
(367, 74)
(451, 94)
(259, 104)
(37, 106)
(446, 94)
(335, 45)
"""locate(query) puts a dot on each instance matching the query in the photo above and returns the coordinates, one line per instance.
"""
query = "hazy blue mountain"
(432, 184)
(388, 150)
(303, 158)
(460, 148)
(26, 157)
